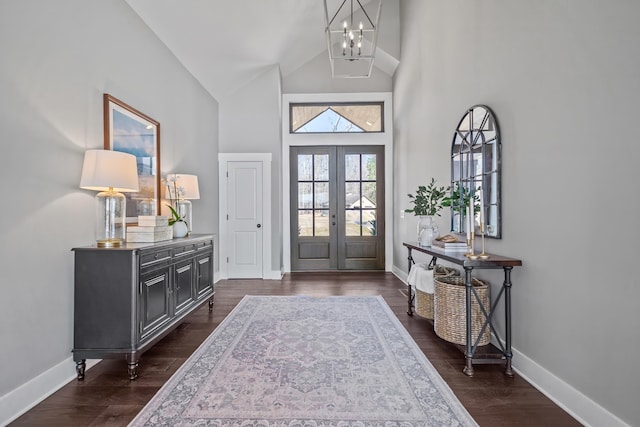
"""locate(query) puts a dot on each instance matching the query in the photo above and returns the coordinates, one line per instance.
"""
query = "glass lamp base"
(109, 243)
(110, 219)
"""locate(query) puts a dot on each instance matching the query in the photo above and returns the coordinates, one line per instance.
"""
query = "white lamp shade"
(185, 185)
(105, 169)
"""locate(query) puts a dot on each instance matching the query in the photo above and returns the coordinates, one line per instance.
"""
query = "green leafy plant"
(428, 200)
(175, 217)
(453, 200)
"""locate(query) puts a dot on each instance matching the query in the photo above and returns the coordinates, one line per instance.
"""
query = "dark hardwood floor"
(107, 398)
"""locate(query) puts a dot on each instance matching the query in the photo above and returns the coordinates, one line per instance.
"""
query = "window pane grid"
(360, 195)
(313, 195)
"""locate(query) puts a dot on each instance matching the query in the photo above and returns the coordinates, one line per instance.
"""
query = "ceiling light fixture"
(351, 48)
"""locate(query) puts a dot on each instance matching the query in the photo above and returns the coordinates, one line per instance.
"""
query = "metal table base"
(493, 262)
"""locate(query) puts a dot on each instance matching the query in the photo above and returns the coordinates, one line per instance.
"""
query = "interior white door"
(244, 219)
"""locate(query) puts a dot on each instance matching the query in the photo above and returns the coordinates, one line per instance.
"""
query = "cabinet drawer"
(150, 258)
(205, 244)
(184, 249)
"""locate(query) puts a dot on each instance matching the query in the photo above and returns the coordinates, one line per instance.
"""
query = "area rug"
(303, 361)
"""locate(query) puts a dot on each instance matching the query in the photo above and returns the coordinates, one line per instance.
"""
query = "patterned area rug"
(301, 361)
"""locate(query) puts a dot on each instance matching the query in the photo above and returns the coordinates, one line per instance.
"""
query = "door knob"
(259, 225)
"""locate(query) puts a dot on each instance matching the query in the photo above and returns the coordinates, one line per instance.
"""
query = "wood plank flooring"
(107, 398)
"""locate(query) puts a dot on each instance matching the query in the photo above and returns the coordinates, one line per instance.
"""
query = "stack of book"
(150, 229)
(449, 244)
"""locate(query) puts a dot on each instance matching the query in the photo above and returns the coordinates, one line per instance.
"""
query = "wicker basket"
(450, 310)
(442, 271)
(424, 300)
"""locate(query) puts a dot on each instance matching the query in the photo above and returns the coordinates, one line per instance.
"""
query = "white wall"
(250, 123)
(315, 77)
(58, 58)
(562, 79)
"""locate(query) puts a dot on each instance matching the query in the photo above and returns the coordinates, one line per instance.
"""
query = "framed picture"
(128, 130)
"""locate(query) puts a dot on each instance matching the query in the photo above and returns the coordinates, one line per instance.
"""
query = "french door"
(337, 208)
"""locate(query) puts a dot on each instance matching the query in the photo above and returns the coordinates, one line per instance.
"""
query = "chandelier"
(352, 33)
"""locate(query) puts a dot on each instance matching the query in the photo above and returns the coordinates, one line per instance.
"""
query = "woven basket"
(442, 271)
(450, 310)
(424, 301)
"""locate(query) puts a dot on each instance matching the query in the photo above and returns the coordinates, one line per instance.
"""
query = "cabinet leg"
(468, 354)
(210, 304)
(411, 296)
(508, 371)
(507, 313)
(80, 367)
(132, 367)
(468, 369)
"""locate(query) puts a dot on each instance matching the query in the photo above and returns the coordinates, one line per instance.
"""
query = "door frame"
(382, 138)
(265, 159)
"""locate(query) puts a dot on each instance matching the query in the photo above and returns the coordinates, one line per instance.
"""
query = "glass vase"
(427, 231)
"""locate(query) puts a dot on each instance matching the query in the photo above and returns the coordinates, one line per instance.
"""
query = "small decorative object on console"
(152, 221)
(450, 242)
(149, 234)
(150, 229)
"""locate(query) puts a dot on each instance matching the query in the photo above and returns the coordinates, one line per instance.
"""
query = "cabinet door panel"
(154, 303)
(183, 285)
(204, 267)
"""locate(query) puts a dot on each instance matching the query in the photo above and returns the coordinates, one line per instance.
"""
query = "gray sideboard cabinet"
(128, 298)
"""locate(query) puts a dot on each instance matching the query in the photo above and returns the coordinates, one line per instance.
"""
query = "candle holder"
(483, 255)
(470, 247)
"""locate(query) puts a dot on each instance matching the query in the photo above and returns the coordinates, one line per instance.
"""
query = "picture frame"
(131, 131)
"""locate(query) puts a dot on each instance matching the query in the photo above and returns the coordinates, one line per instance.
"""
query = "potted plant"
(427, 202)
(180, 227)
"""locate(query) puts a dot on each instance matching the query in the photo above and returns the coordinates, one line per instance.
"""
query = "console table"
(128, 298)
(493, 262)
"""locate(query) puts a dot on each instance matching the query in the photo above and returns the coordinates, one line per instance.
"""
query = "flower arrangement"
(175, 217)
(428, 200)
(175, 192)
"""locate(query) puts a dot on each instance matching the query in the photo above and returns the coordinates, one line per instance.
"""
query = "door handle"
(259, 225)
(333, 223)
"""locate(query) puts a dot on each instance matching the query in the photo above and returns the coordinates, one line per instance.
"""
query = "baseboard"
(268, 275)
(574, 402)
(20, 400)
(273, 275)
(571, 400)
(400, 274)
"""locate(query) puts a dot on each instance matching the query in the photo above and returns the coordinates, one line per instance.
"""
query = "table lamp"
(183, 188)
(110, 173)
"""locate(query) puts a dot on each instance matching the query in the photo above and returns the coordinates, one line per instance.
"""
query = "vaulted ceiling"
(227, 43)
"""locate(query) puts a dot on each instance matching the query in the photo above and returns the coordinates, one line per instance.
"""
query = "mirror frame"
(131, 131)
(476, 165)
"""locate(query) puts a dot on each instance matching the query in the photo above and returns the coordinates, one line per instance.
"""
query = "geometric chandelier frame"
(352, 34)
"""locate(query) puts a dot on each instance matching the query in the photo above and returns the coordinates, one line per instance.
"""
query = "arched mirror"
(475, 173)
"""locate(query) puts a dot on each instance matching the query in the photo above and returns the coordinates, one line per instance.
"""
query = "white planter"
(180, 229)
